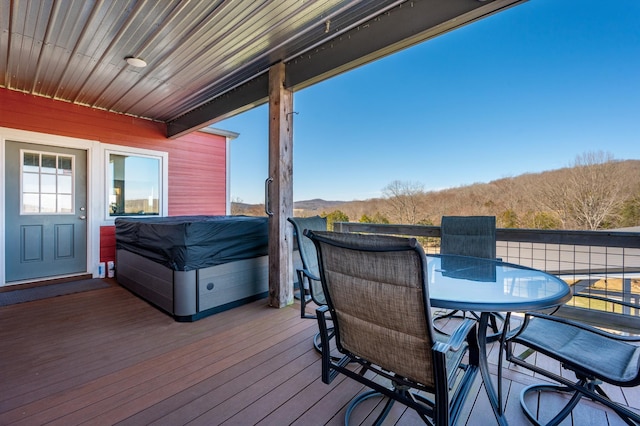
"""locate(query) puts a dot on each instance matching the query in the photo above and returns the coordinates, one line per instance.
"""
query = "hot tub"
(193, 266)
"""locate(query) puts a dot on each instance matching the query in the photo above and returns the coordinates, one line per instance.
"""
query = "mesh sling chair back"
(595, 356)
(308, 276)
(378, 301)
(468, 236)
(473, 236)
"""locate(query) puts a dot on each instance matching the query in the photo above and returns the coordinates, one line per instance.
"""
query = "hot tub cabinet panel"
(230, 282)
(148, 279)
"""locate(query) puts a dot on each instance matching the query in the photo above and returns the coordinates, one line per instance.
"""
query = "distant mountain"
(245, 206)
(317, 205)
(310, 207)
(517, 201)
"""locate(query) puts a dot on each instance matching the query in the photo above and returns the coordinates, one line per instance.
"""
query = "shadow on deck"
(107, 357)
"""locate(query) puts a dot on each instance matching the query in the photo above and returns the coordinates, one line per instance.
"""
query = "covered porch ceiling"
(206, 60)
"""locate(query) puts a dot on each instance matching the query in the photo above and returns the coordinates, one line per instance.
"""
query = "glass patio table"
(485, 286)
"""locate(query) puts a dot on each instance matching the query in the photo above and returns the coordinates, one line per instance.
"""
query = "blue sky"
(523, 91)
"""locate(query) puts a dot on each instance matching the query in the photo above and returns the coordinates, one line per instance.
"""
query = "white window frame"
(163, 193)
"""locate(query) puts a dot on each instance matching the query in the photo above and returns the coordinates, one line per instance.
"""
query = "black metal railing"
(597, 264)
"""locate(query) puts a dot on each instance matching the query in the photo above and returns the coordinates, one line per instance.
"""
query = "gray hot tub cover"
(184, 243)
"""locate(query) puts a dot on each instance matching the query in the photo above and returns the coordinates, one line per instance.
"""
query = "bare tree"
(236, 208)
(590, 193)
(403, 200)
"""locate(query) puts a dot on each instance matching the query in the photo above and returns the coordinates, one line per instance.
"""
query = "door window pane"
(31, 203)
(30, 182)
(47, 203)
(134, 185)
(65, 185)
(48, 163)
(47, 183)
(65, 204)
(64, 165)
(31, 162)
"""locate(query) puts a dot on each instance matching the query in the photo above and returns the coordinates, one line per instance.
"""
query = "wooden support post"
(279, 189)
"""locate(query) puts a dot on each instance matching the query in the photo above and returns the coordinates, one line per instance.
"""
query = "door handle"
(83, 217)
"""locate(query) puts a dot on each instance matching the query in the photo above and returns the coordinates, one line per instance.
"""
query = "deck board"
(107, 357)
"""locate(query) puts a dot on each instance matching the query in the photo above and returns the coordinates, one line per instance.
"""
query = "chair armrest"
(457, 338)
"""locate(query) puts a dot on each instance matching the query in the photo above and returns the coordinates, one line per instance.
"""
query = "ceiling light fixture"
(135, 62)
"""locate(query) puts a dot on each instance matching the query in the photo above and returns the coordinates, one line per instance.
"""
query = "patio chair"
(473, 236)
(593, 355)
(377, 296)
(308, 276)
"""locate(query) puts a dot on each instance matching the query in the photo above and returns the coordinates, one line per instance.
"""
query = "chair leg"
(317, 341)
(566, 410)
(451, 314)
(363, 397)
(626, 415)
(591, 390)
(385, 411)
(304, 297)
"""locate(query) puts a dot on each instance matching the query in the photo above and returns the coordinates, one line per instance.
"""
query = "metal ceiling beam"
(244, 97)
(398, 28)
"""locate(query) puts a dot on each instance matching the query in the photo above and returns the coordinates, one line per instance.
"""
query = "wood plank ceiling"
(206, 60)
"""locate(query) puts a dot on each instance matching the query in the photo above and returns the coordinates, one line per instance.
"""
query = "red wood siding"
(200, 174)
(197, 161)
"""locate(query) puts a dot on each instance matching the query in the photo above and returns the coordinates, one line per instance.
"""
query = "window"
(134, 185)
(46, 183)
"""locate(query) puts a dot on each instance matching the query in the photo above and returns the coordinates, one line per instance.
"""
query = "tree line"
(595, 192)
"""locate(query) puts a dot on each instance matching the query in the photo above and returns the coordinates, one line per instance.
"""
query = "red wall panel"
(197, 161)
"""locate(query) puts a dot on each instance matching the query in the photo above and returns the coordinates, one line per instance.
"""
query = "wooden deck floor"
(107, 357)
